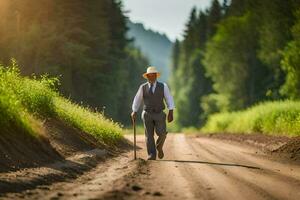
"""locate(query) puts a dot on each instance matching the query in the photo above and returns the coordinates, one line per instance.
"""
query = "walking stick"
(134, 138)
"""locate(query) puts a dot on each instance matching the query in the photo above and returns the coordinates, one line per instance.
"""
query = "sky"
(164, 16)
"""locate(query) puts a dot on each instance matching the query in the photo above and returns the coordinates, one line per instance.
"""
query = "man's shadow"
(211, 163)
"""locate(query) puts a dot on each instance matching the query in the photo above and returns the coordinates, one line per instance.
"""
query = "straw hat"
(151, 70)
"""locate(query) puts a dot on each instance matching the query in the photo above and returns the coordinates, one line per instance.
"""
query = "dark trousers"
(154, 122)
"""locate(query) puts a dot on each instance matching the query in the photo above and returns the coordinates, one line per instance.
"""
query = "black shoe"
(160, 153)
(151, 157)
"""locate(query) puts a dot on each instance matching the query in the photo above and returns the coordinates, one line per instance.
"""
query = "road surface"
(193, 168)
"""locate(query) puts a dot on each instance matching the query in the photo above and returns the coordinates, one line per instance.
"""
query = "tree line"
(85, 44)
(234, 55)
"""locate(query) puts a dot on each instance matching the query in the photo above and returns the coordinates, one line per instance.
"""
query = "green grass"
(25, 102)
(274, 118)
(13, 115)
(96, 124)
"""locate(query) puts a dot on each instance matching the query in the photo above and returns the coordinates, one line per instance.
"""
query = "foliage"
(85, 44)
(275, 118)
(291, 64)
(234, 56)
(25, 102)
(13, 116)
(188, 74)
(231, 62)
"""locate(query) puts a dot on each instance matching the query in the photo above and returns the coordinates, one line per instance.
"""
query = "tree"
(83, 43)
(291, 63)
(237, 7)
(189, 34)
(175, 55)
(225, 7)
(188, 77)
(201, 31)
(230, 60)
(213, 18)
(274, 19)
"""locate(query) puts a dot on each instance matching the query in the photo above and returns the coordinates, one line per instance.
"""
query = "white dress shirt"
(139, 97)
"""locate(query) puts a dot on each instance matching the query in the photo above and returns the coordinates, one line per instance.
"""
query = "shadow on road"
(210, 163)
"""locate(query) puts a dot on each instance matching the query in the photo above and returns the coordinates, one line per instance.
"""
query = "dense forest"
(84, 44)
(234, 55)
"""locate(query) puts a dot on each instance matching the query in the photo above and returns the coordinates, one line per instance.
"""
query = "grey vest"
(153, 102)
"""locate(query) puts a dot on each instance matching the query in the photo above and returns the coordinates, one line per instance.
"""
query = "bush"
(275, 118)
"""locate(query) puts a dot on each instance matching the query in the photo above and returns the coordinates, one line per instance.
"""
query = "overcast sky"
(165, 16)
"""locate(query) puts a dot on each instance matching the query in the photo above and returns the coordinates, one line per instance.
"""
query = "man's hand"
(133, 116)
(170, 116)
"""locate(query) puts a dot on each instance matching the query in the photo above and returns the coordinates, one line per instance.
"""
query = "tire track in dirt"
(217, 174)
(213, 169)
(234, 152)
(266, 181)
(193, 168)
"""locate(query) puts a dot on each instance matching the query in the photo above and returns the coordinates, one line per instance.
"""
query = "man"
(152, 93)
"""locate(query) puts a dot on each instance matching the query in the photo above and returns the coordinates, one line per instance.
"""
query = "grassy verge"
(274, 118)
(13, 115)
(25, 102)
(96, 124)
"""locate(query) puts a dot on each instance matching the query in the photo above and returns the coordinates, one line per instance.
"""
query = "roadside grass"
(272, 118)
(105, 130)
(13, 115)
(25, 103)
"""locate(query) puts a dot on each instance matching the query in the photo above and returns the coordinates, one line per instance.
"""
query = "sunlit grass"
(274, 118)
(82, 118)
(24, 101)
(12, 112)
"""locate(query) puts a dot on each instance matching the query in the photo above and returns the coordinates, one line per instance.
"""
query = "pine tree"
(225, 7)
(189, 33)
(213, 18)
(188, 77)
(201, 30)
(175, 55)
(237, 7)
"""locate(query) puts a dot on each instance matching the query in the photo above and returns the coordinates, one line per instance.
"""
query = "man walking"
(152, 93)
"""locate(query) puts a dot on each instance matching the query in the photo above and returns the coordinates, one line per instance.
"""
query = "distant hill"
(156, 46)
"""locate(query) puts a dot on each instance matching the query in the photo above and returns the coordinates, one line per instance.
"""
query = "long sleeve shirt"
(138, 99)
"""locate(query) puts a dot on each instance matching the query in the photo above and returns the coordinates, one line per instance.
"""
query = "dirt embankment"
(60, 152)
(56, 142)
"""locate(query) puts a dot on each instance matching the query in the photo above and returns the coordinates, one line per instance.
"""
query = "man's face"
(152, 77)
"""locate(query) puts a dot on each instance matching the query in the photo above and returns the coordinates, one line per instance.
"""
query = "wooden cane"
(134, 138)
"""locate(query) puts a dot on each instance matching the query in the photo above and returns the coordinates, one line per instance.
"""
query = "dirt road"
(193, 168)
